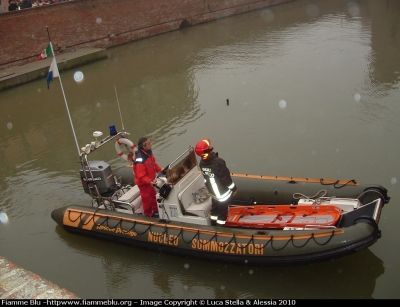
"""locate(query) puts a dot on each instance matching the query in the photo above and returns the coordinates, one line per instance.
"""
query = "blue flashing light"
(113, 130)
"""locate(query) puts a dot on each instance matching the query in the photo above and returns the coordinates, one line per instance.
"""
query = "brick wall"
(105, 23)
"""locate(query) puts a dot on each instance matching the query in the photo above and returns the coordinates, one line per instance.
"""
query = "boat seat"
(135, 206)
(133, 197)
(131, 194)
(202, 209)
(188, 201)
(136, 203)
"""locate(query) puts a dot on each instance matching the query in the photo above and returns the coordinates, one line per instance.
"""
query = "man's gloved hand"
(234, 190)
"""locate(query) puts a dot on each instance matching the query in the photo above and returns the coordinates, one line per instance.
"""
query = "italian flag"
(45, 53)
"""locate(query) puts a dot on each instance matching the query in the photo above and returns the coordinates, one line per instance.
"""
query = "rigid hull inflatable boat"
(271, 220)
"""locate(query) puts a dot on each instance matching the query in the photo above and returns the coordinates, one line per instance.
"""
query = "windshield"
(181, 166)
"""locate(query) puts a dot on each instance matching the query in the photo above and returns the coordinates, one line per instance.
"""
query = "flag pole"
(62, 89)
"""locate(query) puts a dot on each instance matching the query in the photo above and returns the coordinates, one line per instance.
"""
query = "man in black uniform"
(217, 179)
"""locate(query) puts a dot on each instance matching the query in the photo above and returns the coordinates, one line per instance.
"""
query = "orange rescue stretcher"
(281, 216)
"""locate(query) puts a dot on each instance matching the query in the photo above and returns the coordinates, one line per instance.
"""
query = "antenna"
(123, 129)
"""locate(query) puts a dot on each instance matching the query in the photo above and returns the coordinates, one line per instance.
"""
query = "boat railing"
(95, 145)
(87, 171)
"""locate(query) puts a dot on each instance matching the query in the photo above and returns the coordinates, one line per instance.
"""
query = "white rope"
(316, 196)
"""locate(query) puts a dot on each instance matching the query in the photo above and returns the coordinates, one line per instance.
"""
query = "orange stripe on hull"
(73, 218)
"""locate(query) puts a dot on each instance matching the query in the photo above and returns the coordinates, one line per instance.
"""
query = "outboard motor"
(100, 174)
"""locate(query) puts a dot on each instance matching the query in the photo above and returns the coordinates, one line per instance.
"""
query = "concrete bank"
(17, 75)
(17, 283)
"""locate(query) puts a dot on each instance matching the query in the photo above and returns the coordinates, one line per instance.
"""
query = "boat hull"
(246, 246)
(186, 227)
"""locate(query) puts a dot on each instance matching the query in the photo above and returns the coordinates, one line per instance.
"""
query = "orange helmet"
(203, 147)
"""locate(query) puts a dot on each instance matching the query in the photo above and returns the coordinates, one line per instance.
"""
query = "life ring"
(122, 144)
